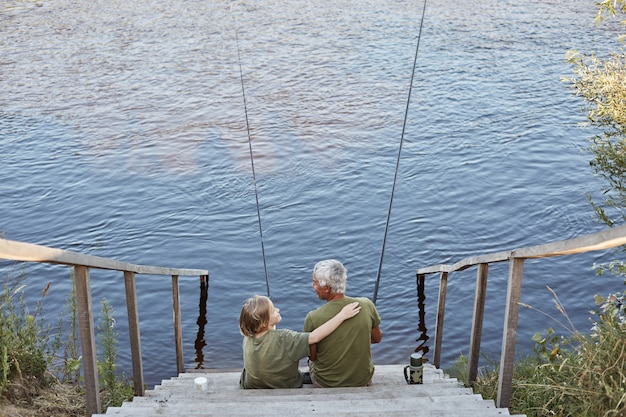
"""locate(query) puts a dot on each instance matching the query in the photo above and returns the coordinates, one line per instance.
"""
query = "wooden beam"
(606, 239)
(178, 332)
(87, 339)
(477, 321)
(28, 252)
(441, 306)
(509, 335)
(133, 330)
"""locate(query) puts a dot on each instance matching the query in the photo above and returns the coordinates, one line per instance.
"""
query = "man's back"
(344, 358)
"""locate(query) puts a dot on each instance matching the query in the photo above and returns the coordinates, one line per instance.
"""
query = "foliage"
(24, 338)
(600, 82)
(71, 354)
(115, 391)
(29, 349)
(577, 375)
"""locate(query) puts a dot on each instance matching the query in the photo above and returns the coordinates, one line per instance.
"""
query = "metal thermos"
(413, 373)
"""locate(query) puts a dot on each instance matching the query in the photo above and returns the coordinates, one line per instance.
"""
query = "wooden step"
(389, 395)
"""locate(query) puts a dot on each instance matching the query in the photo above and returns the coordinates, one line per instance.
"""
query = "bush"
(29, 350)
(578, 375)
(24, 339)
(115, 390)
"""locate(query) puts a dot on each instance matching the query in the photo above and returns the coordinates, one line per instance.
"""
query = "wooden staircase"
(389, 395)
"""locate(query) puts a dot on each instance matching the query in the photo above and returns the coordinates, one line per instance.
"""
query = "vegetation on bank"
(599, 82)
(40, 363)
(567, 375)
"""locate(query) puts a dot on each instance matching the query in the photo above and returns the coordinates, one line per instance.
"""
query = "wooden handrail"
(20, 251)
(606, 239)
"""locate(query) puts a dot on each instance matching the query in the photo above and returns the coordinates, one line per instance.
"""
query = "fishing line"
(256, 193)
(395, 177)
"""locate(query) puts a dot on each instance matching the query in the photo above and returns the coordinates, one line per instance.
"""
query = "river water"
(123, 134)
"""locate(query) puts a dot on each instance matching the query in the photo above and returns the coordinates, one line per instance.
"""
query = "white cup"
(201, 383)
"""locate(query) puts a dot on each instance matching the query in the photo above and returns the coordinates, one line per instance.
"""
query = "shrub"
(24, 338)
(579, 375)
(114, 390)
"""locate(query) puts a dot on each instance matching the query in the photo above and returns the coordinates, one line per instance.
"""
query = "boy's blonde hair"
(255, 315)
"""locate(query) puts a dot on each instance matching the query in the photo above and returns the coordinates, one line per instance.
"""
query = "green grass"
(574, 375)
(24, 338)
(34, 355)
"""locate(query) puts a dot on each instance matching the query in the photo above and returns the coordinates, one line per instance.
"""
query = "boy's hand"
(350, 310)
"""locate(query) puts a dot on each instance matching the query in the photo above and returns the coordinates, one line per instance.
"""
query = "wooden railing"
(603, 240)
(19, 251)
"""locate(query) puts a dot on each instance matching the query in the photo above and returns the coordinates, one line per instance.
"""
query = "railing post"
(133, 330)
(509, 336)
(178, 332)
(477, 321)
(87, 339)
(441, 306)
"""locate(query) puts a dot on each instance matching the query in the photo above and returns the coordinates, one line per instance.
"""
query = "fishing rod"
(395, 176)
(256, 193)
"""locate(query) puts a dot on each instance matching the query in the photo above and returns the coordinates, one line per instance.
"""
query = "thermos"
(413, 373)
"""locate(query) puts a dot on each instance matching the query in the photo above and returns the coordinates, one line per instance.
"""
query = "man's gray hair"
(331, 272)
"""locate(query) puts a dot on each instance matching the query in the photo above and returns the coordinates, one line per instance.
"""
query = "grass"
(40, 365)
(24, 339)
(582, 375)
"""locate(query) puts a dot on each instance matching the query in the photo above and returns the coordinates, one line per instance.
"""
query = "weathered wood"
(133, 329)
(609, 238)
(20, 251)
(477, 321)
(509, 336)
(606, 239)
(441, 307)
(87, 338)
(178, 332)
(388, 395)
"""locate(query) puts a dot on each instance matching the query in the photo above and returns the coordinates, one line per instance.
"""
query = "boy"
(270, 356)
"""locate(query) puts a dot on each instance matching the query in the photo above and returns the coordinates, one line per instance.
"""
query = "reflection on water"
(200, 343)
(122, 135)
(422, 347)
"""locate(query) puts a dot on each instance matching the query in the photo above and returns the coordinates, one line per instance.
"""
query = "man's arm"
(377, 335)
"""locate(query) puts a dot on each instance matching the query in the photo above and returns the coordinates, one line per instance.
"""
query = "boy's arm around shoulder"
(327, 328)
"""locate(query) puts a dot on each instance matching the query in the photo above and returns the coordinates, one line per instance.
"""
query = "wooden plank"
(178, 332)
(467, 263)
(608, 238)
(441, 306)
(477, 321)
(389, 395)
(509, 336)
(133, 329)
(20, 251)
(87, 339)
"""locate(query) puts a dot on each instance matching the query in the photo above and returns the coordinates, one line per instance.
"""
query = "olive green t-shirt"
(344, 358)
(271, 361)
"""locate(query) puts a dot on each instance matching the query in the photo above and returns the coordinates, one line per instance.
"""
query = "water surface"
(123, 135)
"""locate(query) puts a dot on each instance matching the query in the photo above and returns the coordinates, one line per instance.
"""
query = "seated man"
(344, 358)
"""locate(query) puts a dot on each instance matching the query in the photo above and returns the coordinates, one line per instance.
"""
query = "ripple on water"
(123, 134)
